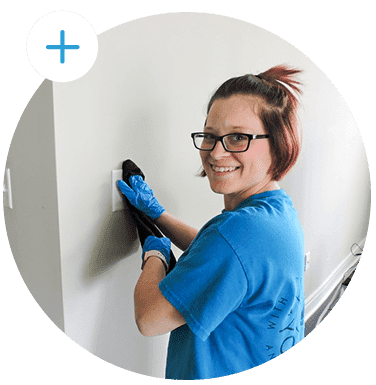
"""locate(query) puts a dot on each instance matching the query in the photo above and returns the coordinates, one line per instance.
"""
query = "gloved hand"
(141, 196)
(159, 247)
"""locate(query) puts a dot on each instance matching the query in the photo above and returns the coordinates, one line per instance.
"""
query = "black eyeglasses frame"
(220, 138)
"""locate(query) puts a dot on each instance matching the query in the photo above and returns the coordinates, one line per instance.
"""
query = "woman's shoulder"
(233, 225)
(255, 216)
(255, 221)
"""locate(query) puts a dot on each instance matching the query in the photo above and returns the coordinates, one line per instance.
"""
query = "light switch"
(117, 199)
(307, 260)
(7, 190)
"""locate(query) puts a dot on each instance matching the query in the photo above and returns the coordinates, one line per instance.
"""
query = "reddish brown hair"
(275, 91)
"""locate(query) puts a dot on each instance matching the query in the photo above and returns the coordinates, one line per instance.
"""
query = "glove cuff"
(156, 211)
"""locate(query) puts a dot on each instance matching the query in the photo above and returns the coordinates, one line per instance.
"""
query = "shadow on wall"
(116, 240)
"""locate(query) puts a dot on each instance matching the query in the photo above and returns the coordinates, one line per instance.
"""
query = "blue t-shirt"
(239, 287)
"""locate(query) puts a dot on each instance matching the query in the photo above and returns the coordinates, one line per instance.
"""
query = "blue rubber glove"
(160, 245)
(141, 196)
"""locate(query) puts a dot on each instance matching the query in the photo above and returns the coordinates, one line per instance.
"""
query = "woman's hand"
(157, 247)
(141, 196)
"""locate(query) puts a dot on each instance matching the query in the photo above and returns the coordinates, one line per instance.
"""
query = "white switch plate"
(117, 199)
(7, 190)
(307, 260)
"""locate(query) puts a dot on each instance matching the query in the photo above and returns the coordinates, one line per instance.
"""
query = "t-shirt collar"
(265, 194)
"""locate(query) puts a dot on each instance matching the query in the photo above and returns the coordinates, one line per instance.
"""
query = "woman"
(235, 299)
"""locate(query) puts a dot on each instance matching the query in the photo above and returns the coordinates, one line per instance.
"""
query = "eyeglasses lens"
(204, 141)
(236, 142)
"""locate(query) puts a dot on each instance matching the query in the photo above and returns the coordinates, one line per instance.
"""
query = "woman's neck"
(233, 200)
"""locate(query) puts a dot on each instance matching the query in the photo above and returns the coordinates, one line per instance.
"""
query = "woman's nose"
(218, 151)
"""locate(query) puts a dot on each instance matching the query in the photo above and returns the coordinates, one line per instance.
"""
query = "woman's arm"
(153, 312)
(181, 234)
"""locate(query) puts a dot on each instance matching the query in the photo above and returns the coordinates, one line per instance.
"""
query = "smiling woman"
(251, 107)
(275, 103)
(235, 299)
(237, 175)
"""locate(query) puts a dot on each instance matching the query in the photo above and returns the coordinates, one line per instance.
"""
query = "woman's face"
(245, 173)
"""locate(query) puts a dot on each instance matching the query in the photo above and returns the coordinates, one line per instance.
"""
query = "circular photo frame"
(77, 245)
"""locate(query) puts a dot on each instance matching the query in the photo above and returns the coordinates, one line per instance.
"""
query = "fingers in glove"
(137, 182)
(126, 190)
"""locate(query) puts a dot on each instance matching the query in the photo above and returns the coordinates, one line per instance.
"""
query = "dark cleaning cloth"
(145, 226)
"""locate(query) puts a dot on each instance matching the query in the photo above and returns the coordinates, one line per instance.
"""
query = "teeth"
(223, 169)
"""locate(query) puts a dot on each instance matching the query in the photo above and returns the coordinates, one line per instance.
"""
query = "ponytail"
(284, 78)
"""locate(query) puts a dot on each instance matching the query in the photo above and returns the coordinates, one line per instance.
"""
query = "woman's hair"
(274, 91)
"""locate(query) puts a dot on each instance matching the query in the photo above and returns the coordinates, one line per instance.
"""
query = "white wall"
(145, 94)
(330, 185)
(32, 224)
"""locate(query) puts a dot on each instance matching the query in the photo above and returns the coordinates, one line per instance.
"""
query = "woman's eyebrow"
(232, 128)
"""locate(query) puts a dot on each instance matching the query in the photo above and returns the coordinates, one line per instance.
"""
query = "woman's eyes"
(232, 138)
(238, 137)
(208, 137)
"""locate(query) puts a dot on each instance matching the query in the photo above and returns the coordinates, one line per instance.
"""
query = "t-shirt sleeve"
(207, 284)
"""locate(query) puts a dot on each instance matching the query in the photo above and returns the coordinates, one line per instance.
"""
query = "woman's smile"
(223, 170)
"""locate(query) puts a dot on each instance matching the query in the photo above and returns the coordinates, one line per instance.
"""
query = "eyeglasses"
(231, 142)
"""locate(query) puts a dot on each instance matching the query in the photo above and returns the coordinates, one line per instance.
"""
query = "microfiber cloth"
(145, 226)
